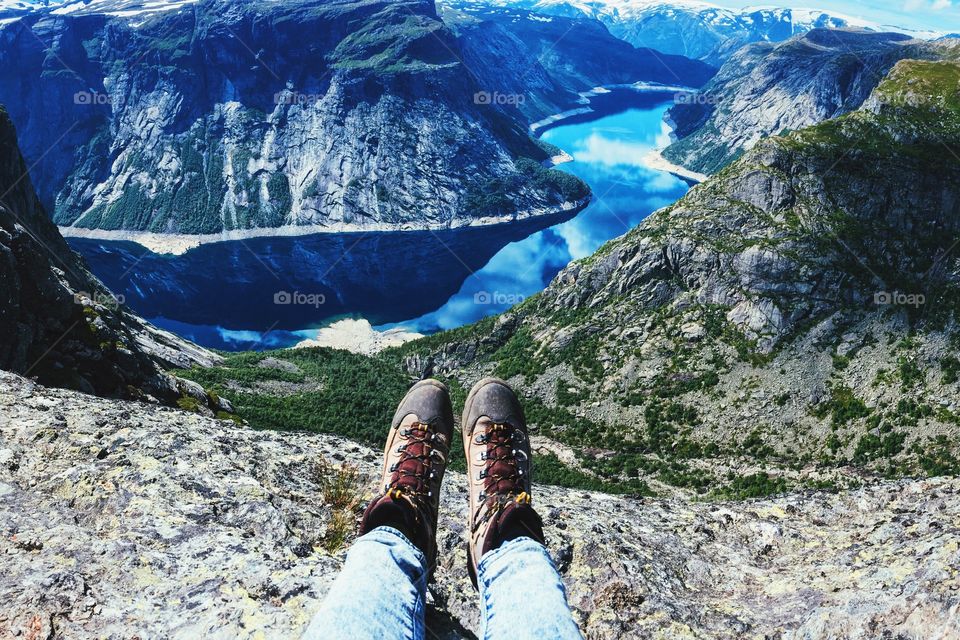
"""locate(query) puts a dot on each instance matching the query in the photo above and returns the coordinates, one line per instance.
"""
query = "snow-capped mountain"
(698, 29)
(132, 9)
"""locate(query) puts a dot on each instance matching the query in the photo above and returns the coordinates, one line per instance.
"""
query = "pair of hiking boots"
(497, 449)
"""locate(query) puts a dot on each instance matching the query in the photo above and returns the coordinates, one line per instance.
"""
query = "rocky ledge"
(124, 519)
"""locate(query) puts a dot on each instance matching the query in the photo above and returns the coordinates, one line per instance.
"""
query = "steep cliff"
(230, 115)
(58, 323)
(766, 89)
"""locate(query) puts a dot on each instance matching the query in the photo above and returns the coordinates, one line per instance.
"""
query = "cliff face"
(123, 519)
(790, 322)
(57, 321)
(232, 115)
(765, 89)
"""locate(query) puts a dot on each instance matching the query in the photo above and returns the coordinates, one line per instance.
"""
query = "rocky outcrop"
(57, 321)
(128, 519)
(766, 89)
(229, 116)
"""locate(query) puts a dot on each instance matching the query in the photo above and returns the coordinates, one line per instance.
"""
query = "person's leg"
(520, 591)
(381, 591)
(521, 594)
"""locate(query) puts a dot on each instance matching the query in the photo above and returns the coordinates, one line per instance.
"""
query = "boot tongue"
(502, 473)
(413, 469)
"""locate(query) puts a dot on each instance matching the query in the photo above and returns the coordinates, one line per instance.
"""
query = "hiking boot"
(414, 461)
(498, 466)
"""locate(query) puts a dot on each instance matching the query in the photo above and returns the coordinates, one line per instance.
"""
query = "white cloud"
(933, 5)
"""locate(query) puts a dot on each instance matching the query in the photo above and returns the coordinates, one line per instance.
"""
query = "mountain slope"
(765, 89)
(230, 115)
(239, 534)
(700, 30)
(58, 322)
(790, 322)
(548, 60)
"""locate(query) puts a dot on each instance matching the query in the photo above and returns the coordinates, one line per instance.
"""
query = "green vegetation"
(518, 357)
(757, 485)
(548, 469)
(950, 368)
(331, 391)
(843, 406)
(341, 488)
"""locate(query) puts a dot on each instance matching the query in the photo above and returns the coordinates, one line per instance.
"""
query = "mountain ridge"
(179, 128)
(765, 89)
(789, 321)
(702, 30)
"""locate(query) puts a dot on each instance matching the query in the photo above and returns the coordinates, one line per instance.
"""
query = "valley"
(714, 249)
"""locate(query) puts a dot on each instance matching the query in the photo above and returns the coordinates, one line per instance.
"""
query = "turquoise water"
(608, 151)
(223, 295)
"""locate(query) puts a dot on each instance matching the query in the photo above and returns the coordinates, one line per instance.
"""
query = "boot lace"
(413, 472)
(505, 471)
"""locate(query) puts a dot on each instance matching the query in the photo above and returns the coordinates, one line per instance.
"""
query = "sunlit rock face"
(229, 116)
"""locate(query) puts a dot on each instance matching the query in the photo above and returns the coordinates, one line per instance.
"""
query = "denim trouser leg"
(380, 592)
(521, 595)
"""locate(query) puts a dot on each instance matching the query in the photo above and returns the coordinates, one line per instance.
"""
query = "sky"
(937, 15)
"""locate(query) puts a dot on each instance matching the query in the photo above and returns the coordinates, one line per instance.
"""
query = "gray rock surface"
(768, 88)
(122, 520)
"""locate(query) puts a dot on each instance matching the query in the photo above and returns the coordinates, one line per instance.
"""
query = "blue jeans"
(382, 590)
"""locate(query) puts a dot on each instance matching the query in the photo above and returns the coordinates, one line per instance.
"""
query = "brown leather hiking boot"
(498, 466)
(414, 461)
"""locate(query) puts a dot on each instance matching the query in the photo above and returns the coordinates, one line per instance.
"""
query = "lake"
(274, 292)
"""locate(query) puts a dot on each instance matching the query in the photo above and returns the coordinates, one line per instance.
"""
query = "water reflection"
(225, 295)
(608, 154)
